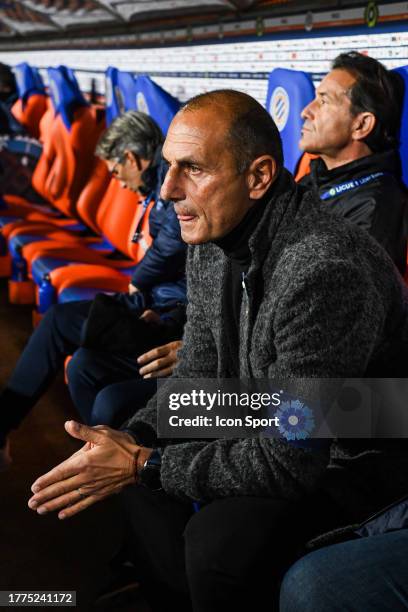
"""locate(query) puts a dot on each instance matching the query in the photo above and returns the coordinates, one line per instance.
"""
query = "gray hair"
(133, 131)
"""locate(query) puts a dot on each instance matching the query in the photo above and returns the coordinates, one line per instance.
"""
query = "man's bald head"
(251, 131)
(224, 152)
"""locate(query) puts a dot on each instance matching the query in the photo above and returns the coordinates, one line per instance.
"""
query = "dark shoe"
(5, 457)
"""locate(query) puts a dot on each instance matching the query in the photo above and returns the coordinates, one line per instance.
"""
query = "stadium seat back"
(46, 121)
(156, 102)
(29, 81)
(289, 91)
(66, 96)
(403, 72)
(32, 100)
(120, 93)
(91, 198)
(67, 160)
(68, 154)
(99, 194)
(98, 200)
(303, 167)
(117, 218)
(30, 113)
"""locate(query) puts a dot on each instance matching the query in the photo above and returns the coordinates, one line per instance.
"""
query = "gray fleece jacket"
(323, 300)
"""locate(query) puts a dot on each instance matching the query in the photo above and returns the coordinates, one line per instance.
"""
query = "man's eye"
(194, 169)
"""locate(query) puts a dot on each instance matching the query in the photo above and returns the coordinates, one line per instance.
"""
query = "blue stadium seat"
(29, 81)
(289, 91)
(156, 102)
(73, 294)
(65, 93)
(120, 93)
(403, 72)
(120, 97)
(32, 99)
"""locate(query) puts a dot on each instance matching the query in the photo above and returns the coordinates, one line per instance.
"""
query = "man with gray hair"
(279, 289)
(131, 147)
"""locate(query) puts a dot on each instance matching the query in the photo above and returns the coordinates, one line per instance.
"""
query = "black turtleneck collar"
(236, 244)
(236, 247)
(385, 161)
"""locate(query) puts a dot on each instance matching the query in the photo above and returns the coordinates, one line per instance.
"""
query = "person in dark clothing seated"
(353, 126)
(132, 149)
(319, 298)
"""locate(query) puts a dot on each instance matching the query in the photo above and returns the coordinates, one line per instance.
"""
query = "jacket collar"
(277, 211)
(386, 161)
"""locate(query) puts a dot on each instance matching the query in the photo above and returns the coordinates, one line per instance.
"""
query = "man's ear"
(363, 125)
(260, 176)
(132, 159)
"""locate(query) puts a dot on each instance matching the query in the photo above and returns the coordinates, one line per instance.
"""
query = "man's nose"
(307, 112)
(171, 189)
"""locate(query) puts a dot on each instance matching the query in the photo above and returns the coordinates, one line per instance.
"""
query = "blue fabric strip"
(343, 187)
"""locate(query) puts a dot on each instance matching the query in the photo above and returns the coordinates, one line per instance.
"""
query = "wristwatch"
(150, 473)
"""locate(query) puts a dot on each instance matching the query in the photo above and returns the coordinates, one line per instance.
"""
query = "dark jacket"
(378, 204)
(165, 260)
(323, 300)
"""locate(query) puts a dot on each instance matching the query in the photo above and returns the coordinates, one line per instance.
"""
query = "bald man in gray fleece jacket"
(278, 288)
(331, 305)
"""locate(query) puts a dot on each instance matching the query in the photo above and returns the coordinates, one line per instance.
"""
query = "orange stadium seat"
(116, 225)
(68, 152)
(102, 205)
(70, 137)
(32, 100)
(304, 166)
(49, 174)
(121, 212)
(30, 113)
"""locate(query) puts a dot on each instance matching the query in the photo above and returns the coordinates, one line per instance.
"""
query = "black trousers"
(59, 335)
(117, 402)
(230, 555)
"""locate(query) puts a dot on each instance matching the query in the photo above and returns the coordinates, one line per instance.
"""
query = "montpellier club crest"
(279, 107)
(141, 103)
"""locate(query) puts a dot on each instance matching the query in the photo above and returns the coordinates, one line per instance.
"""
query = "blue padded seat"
(65, 93)
(74, 294)
(120, 93)
(156, 102)
(6, 220)
(43, 266)
(403, 150)
(16, 242)
(28, 81)
(289, 91)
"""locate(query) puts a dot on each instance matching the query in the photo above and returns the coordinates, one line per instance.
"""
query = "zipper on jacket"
(246, 294)
(246, 340)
